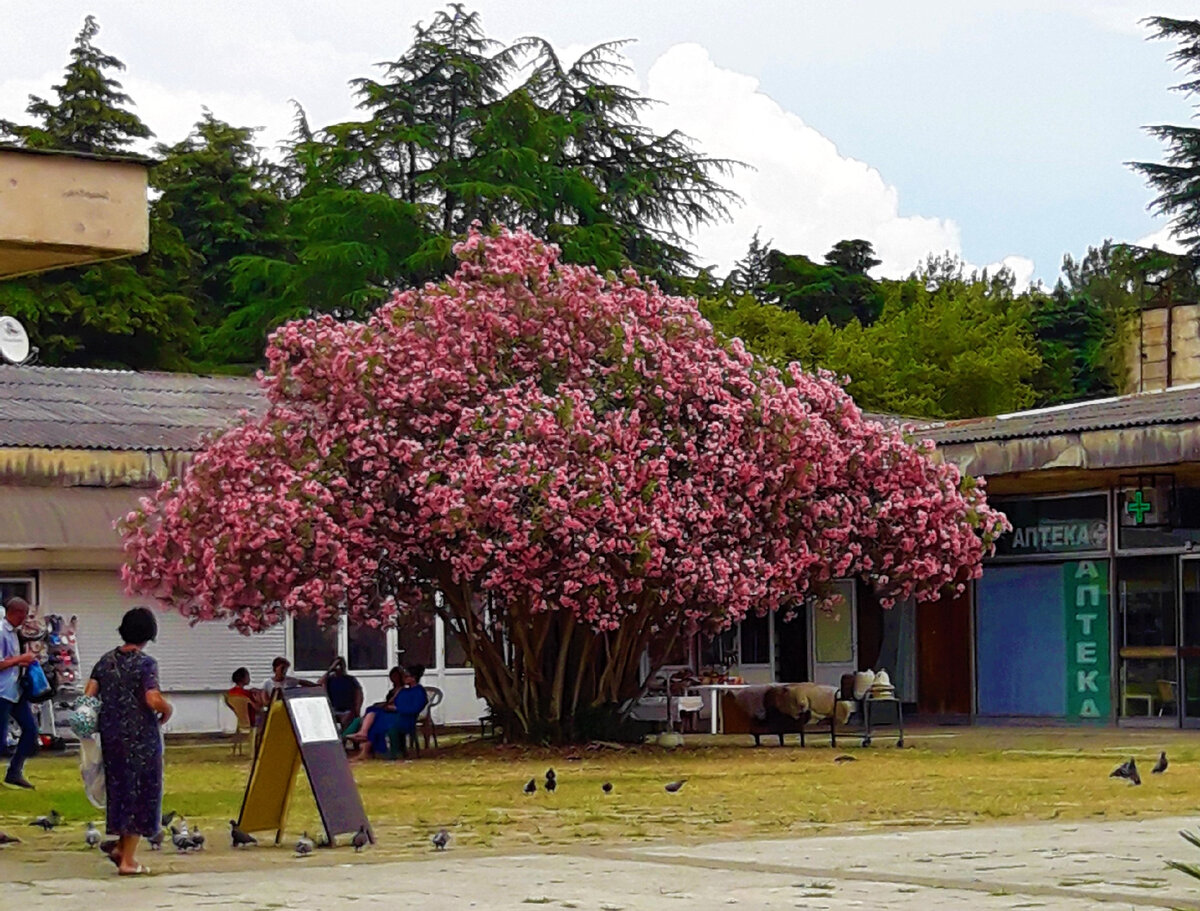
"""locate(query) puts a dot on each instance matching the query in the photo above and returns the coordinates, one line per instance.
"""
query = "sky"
(996, 130)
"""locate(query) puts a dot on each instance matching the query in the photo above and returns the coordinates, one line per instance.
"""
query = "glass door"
(834, 635)
(1189, 647)
(1149, 653)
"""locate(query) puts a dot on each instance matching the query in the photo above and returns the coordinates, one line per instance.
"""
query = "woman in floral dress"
(131, 711)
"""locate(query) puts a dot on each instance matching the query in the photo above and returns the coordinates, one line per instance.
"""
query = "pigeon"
(47, 822)
(845, 757)
(550, 776)
(304, 846)
(551, 781)
(1161, 765)
(6, 839)
(182, 842)
(673, 786)
(440, 840)
(361, 839)
(240, 838)
(196, 840)
(91, 837)
(606, 787)
(157, 840)
(531, 786)
(168, 818)
(1128, 771)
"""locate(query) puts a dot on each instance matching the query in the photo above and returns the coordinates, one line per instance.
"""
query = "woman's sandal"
(139, 871)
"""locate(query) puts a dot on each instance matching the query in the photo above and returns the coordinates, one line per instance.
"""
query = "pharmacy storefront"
(1090, 610)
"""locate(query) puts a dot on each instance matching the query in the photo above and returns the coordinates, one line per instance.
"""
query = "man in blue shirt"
(12, 701)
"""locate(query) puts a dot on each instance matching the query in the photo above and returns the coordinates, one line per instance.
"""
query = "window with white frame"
(756, 639)
(314, 646)
(18, 586)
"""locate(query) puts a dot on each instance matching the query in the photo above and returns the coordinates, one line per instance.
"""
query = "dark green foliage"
(1177, 179)
(90, 114)
(1078, 326)
(216, 190)
(838, 290)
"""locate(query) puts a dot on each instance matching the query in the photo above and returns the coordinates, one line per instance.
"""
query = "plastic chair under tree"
(425, 723)
(245, 730)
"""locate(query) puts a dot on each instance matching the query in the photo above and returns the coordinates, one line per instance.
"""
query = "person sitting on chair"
(359, 729)
(241, 687)
(345, 693)
(406, 706)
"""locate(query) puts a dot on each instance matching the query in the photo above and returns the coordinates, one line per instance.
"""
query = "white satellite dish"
(14, 341)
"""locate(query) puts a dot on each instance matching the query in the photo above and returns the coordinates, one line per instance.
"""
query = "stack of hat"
(882, 687)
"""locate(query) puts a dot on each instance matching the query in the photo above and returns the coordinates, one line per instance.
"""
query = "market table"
(716, 689)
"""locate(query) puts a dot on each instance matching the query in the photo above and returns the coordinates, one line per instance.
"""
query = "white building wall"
(195, 662)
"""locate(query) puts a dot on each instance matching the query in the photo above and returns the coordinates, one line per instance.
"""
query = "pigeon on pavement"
(440, 840)
(6, 839)
(606, 787)
(181, 841)
(91, 837)
(157, 840)
(168, 818)
(196, 840)
(673, 786)
(361, 839)
(240, 838)
(531, 786)
(304, 846)
(551, 781)
(1161, 765)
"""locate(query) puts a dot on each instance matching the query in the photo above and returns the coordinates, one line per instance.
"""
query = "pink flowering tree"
(565, 467)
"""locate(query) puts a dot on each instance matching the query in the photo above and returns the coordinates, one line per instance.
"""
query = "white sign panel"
(313, 720)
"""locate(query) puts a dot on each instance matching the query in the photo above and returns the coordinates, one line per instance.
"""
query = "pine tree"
(90, 113)
(1177, 180)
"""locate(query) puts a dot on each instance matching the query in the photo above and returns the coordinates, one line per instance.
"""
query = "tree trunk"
(548, 678)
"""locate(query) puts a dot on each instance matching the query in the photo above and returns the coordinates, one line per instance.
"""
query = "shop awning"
(63, 526)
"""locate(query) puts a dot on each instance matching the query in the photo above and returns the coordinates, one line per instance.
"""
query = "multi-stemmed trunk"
(547, 677)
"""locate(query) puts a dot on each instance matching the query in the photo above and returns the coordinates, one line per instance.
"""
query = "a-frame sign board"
(300, 730)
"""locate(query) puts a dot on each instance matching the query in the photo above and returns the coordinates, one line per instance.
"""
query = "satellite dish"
(14, 341)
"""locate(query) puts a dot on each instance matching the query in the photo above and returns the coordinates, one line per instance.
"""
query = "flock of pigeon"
(551, 785)
(1128, 770)
(187, 840)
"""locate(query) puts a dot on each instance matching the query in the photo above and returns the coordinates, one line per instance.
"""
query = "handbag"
(34, 685)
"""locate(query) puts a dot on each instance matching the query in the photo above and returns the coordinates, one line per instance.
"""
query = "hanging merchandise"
(52, 639)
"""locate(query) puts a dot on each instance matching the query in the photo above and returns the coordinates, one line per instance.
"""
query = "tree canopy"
(566, 467)
(1177, 179)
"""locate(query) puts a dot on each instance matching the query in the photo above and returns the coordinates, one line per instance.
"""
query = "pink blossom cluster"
(555, 438)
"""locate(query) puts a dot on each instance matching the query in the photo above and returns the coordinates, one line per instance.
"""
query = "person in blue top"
(407, 704)
(13, 702)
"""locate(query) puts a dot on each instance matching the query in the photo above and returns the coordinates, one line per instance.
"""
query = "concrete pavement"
(1045, 865)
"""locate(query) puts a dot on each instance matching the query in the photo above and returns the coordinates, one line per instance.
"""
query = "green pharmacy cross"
(1138, 507)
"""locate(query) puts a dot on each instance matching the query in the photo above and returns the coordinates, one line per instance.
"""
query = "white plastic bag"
(91, 769)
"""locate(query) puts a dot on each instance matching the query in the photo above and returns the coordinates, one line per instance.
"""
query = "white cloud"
(1162, 239)
(803, 194)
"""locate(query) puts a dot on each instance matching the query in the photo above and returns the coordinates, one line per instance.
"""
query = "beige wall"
(1146, 355)
(62, 210)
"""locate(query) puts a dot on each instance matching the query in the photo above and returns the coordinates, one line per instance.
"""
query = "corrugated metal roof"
(64, 518)
(1170, 406)
(63, 408)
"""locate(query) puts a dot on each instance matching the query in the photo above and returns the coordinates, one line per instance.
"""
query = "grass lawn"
(945, 776)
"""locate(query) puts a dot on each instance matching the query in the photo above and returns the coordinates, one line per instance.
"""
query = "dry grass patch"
(946, 776)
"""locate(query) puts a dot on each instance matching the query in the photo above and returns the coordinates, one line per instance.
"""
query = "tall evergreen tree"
(219, 193)
(91, 112)
(1177, 179)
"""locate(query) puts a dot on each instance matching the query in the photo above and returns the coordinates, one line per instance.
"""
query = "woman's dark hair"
(138, 626)
(280, 661)
(417, 671)
(241, 675)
